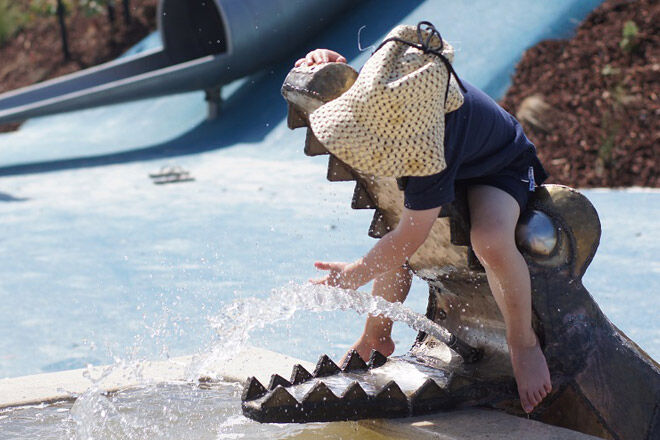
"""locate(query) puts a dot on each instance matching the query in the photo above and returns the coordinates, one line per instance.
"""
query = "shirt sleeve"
(427, 192)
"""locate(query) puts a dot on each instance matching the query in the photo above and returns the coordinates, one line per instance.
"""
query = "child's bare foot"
(364, 345)
(532, 375)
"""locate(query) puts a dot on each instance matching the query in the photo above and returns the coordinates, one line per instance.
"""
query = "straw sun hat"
(391, 122)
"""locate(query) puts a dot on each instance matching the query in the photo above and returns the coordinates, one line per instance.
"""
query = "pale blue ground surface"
(97, 262)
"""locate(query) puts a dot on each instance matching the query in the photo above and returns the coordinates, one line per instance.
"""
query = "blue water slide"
(204, 44)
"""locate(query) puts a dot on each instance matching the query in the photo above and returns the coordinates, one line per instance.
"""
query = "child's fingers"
(330, 266)
(320, 56)
(323, 265)
(317, 282)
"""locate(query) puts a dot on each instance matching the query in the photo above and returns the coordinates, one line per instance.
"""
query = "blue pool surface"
(98, 263)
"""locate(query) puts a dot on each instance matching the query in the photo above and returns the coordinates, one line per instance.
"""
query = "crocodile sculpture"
(603, 383)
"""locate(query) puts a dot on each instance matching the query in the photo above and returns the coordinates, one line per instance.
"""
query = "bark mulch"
(35, 53)
(594, 112)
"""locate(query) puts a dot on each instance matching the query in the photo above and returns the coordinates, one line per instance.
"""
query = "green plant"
(47, 8)
(611, 128)
(630, 37)
(93, 7)
(12, 19)
(611, 125)
(609, 70)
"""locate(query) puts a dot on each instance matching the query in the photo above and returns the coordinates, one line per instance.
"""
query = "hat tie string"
(425, 46)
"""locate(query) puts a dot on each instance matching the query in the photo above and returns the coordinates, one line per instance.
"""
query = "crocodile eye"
(536, 234)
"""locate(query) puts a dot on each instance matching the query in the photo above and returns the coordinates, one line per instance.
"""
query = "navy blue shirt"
(481, 138)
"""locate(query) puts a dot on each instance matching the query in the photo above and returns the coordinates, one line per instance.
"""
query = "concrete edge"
(471, 424)
(466, 424)
(66, 385)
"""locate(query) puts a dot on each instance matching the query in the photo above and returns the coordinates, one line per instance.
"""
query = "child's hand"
(334, 278)
(320, 56)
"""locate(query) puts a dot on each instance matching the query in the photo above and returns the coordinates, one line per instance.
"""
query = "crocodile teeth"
(299, 375)
(354, 362)
(276, 380)
(361, 198)
(253, 389)
(392, 398)
(295, 118)
(313, 147)
(392, 392)
(320, 393)
(354, 392)
(376, 360)
(325, 367)
(338, 171)
(279, 397)
(429, 398)
(379, 226)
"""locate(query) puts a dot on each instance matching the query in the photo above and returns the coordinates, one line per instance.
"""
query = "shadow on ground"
(4, 197)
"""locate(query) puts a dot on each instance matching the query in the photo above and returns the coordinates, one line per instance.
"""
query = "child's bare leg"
(377, 335)
(493, 215)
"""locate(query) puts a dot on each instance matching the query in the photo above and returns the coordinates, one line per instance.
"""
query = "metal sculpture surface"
(603, 384)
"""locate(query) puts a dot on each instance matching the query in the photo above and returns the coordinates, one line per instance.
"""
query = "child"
(405, 117)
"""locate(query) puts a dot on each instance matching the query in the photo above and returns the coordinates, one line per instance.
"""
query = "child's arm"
(391, 251)
(320, 56)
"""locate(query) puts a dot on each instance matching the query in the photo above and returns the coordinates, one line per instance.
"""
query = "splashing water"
(177, 410)
(166, 411)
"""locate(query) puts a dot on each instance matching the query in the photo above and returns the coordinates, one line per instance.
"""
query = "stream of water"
(235, 323)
